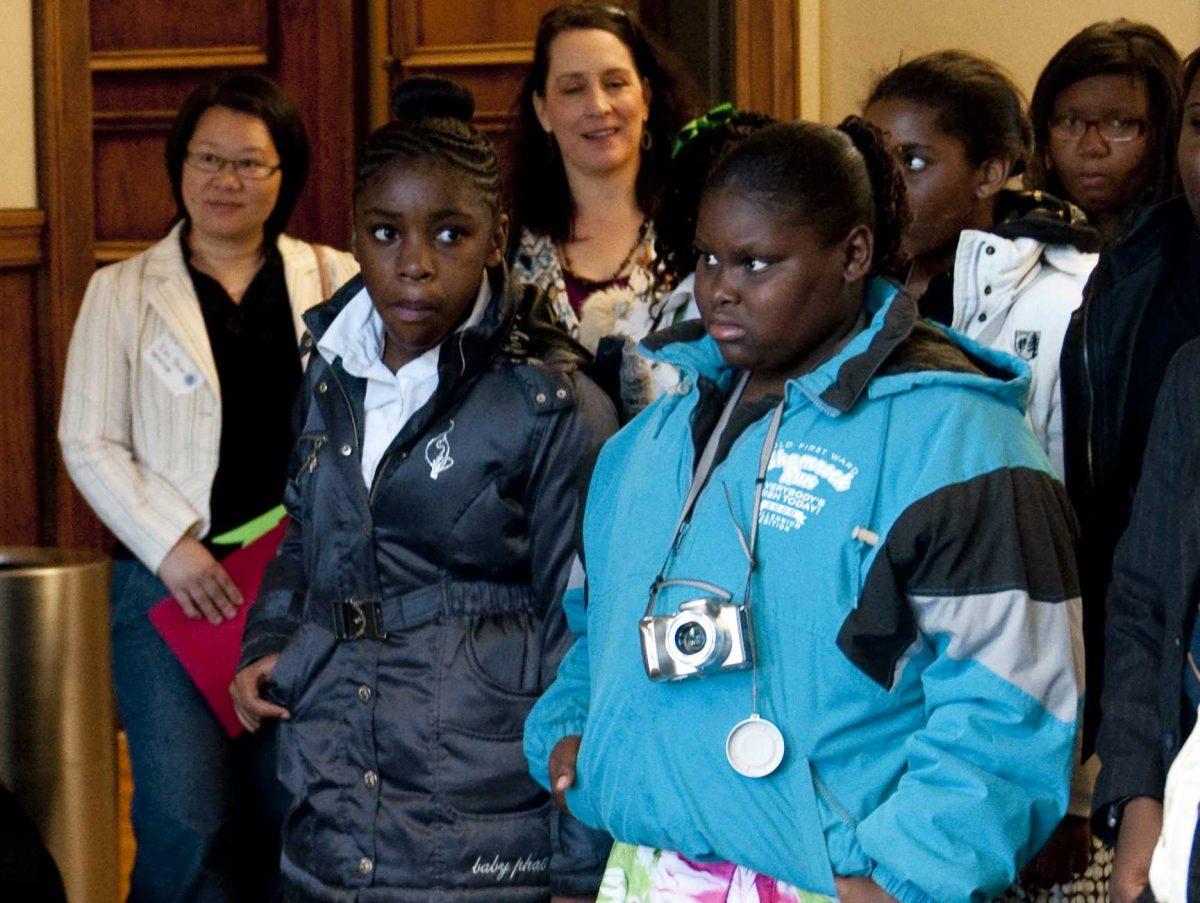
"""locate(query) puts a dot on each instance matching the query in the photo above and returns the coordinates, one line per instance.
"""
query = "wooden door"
(147, 55)
(482, 44)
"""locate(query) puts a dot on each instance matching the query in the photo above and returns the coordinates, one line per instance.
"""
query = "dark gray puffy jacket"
(420, 620)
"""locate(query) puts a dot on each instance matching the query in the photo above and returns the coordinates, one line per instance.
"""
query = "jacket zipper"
(838, 809)
(1091, 414)
(319, 440)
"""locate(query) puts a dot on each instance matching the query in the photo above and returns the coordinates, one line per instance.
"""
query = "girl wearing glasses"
(1144, 314)
(1140, 305)
(1106, 116)
(175, 426)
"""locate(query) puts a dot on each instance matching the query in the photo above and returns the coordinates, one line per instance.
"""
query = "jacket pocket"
(489, 684)
(293, 666)
(841, 832)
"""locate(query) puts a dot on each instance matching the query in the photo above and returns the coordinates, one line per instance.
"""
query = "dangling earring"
(647, 139)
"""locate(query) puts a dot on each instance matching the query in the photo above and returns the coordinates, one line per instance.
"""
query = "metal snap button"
(364, 693)
(560, 394)
(990, 250)
(346, 450)
(364, 866)
(987, 289)
(322, 388)
(371, 779)
(540, 398)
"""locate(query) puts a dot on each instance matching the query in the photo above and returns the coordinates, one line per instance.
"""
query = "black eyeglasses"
(1115, 130)
(245, 169)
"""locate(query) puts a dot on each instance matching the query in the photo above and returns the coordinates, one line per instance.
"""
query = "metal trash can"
(57, 718)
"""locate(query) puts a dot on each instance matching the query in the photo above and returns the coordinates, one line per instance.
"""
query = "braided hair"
(708, 137)
(433, 123)
(832, 179)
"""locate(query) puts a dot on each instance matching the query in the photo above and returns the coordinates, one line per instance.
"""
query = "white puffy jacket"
(1017, 295)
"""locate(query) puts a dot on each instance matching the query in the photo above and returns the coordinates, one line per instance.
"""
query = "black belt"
(372, 619)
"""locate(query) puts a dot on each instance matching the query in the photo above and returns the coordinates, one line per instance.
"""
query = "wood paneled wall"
(147, 56)
(20, 256)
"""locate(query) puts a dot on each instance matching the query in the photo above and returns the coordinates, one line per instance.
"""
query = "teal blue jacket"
(915, 605)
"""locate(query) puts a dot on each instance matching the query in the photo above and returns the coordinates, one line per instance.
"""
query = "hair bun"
(423, 97)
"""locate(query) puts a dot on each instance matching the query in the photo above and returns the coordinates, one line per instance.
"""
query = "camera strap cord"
(703, 471)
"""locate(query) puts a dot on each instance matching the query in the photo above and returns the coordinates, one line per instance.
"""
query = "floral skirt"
(642, 875)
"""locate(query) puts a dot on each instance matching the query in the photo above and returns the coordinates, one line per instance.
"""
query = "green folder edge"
(252, 529)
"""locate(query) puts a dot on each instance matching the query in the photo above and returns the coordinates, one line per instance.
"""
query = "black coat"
(404, 752)
(1152, 602)
(1105, 416)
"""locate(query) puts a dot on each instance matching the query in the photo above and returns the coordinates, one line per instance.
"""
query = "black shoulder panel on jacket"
(1007, 529)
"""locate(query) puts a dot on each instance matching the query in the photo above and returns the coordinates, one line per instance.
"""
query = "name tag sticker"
(172, 366)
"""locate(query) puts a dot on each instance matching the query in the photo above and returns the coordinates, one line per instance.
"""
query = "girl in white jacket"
(1006, 268)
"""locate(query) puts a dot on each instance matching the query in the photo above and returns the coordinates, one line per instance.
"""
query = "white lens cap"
(754, 747)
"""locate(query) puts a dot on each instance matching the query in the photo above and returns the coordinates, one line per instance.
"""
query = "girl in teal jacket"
(829, 629)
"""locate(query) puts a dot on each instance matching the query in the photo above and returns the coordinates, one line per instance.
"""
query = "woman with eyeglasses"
(596, 119)
(175, 426)
(1140, 306)
(1105, 115)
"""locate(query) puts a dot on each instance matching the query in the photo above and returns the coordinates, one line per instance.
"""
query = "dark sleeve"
(1146, 583)
(558, 480)
(27, 870)
(277, 611)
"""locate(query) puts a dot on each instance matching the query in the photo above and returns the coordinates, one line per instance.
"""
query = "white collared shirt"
(356, 335)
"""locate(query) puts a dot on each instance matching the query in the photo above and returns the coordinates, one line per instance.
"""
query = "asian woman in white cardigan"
(175, 426)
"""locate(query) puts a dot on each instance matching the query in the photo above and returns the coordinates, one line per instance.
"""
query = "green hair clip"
(713, 119)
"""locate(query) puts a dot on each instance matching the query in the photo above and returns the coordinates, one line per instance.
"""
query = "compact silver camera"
(704, 636)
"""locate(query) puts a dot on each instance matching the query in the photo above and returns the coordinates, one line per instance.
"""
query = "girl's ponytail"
(887, 189)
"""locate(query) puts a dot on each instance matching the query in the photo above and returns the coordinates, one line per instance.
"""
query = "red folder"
(209, 652)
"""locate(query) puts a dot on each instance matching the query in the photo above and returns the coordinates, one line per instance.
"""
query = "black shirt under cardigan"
(258, 365)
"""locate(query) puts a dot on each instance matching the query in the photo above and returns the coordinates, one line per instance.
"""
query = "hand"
(1065, 855)
(198, 582)
(1141, 823)
(861, 890)
(246, 691)
(562, 768)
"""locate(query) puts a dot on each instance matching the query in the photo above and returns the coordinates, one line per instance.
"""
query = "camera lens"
(690, 638)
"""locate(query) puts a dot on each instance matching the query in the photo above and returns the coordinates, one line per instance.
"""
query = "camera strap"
(703, 471)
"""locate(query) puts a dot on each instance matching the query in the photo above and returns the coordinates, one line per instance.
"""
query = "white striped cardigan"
(144, 456)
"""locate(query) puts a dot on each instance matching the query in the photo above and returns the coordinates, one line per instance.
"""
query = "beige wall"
(18, 154)
(860, 38)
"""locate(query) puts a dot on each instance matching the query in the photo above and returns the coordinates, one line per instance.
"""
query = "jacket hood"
(1042, 216)
(897, 352)
(518, 324)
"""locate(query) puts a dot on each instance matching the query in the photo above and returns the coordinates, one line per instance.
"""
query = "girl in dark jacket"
(1155, 585)
(411, 618)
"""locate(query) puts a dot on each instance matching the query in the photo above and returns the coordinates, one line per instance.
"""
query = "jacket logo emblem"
(807, 470)
(1026, 342)
(791, 499)
(437, 453)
